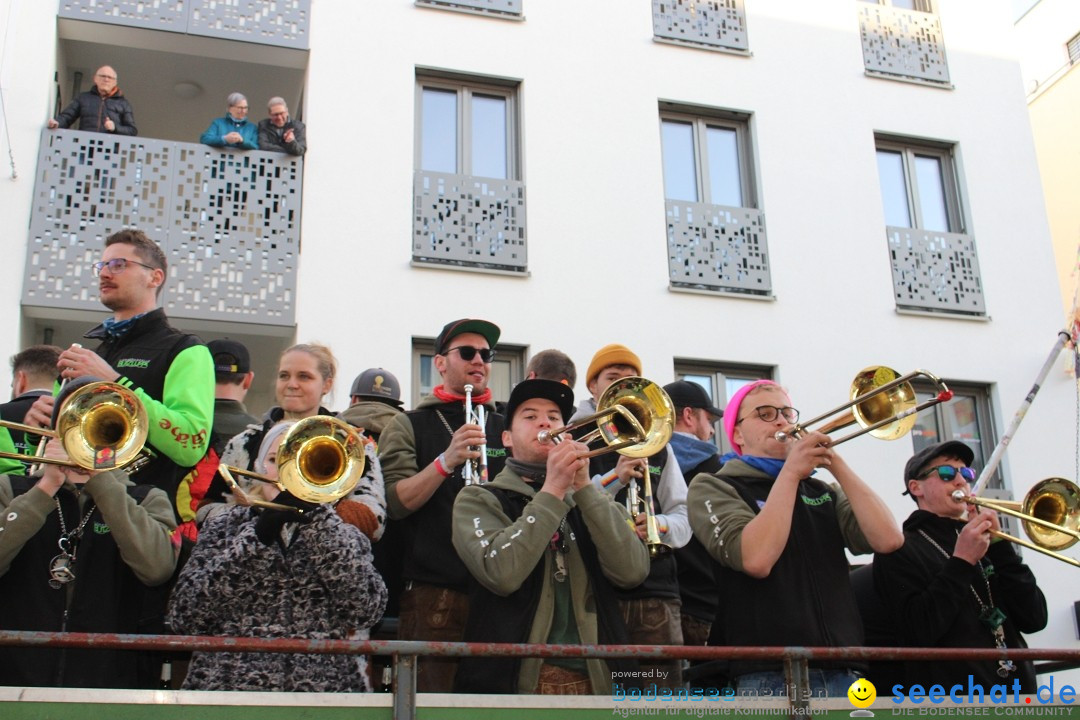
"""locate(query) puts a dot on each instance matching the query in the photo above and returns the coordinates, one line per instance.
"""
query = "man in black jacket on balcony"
(281, 132)
(103, 108)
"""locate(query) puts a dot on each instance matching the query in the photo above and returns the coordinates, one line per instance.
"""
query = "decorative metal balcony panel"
(283, 23)
(935, 271)
(902, 44)
(709, 23)
(503, 8)
(469, 221)
(229, 223)
(714, 247)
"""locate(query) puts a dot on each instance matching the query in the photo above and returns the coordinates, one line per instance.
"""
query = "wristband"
(440, 466)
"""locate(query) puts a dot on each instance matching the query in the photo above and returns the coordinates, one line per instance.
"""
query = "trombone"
(101, 425)
(881, 401)
(320, 460)
(634, 417)
(1050, 515)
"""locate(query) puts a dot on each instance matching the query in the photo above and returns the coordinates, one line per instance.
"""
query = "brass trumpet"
(320, 460)
(1050, 515)
(634, 417)
(881, 401)
(101, 425)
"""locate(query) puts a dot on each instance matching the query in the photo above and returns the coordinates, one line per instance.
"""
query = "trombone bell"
(1049, 513)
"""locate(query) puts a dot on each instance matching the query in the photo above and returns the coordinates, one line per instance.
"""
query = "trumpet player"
(778, 535)
(652, 609)
(547, 548)
(952, 584)
(424, 453)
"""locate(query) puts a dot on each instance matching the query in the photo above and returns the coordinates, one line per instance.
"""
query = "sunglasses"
(468, 352)
(948, 472)
(117, 266)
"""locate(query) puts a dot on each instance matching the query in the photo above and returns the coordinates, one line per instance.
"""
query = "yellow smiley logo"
(862, 693)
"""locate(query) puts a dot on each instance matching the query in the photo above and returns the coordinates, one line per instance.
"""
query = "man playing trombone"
(778, 535)
(952, 584)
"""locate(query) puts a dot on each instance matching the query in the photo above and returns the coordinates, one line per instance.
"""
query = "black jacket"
(90, 109)
(930, 598)
(807, 599)
(148, 355)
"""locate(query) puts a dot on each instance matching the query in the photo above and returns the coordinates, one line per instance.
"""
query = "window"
(935, 265)
(706, 159)
(507, 369)
(467, 129)
(1073, 49)
(469, 201)
(716, 233)
(721, 381)
(918, 187)
(966, 418)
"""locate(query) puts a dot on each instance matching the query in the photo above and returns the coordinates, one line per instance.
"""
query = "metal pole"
(995, 457)
(797, 680)
(404, 687)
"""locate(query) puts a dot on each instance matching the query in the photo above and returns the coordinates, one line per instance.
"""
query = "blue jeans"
(823, 683)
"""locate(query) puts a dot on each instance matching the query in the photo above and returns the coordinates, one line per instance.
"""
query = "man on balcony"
(234, 130)
(103, 108)
(280, 132)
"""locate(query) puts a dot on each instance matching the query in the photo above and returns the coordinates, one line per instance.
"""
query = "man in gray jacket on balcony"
(280, 132)
(103, 108)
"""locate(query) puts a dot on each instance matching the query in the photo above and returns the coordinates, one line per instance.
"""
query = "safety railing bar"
(454, 649)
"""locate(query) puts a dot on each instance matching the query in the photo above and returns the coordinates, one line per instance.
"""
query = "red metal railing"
(796, 659)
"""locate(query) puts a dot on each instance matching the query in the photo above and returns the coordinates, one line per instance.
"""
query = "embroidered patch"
(133, 363)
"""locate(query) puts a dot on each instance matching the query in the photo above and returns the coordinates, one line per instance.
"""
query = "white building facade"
(732, 188)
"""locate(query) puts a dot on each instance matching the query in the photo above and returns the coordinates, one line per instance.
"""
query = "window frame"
(1072, 49)
(720, 372)
(513, 356)
(700, 119)
(909, 151)
(465, 88)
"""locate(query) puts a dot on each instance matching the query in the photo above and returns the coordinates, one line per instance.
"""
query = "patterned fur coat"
(322, 587)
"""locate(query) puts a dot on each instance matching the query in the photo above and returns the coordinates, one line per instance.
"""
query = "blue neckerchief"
(769, 466)
(118, 328)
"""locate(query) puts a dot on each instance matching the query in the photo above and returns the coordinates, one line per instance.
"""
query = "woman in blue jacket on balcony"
(234, 130)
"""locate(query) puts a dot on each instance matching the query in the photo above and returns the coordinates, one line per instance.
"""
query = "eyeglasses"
(948, 472)
(768, 413)
(468, 352)
(105, 77)
(117, 266)
(240, 107)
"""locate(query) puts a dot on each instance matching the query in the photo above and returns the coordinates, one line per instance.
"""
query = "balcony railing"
(494, 8)
(283, 23)
(935, 271)
(719, 248)
(712, 24)
(229, 223)
(469, 221)
(902, 44)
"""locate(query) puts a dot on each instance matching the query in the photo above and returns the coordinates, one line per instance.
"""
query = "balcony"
(229, 223)
(935, 271)
(901, 44)
(717, 248)
(469, 221)
(282, 23)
